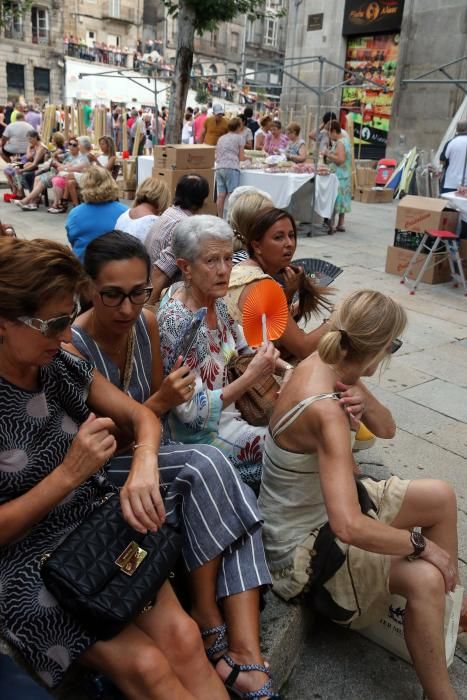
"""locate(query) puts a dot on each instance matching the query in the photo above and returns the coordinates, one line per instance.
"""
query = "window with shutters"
(270, 34)
(40, 25)
(14, 80)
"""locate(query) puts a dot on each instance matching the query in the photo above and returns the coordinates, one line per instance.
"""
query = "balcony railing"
(118, 13)
(113, 57)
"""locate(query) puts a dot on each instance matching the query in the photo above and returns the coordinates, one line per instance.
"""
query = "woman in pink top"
(276, 141)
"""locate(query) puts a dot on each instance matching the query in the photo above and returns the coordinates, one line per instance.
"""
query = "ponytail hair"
(361, 326)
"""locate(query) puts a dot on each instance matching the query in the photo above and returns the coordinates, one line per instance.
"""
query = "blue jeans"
(227, 179)
(15, 684)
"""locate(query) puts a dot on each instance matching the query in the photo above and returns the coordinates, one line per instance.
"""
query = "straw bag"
(258, 402)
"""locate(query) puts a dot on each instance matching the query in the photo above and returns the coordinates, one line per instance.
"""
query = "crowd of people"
(101, 393)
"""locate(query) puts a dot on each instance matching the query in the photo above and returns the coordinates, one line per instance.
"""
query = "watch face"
(418, 541)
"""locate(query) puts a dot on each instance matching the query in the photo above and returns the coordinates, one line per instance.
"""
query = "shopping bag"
(389, 631)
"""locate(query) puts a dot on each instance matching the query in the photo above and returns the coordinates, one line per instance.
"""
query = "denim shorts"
(227, 179)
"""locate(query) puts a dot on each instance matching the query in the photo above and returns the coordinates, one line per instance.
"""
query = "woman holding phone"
(203, 496)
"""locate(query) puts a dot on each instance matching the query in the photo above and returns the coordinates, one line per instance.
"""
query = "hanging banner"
(373, 58)
(363, 17)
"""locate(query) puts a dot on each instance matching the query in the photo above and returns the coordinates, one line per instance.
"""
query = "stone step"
(283, 631)
(284, 628)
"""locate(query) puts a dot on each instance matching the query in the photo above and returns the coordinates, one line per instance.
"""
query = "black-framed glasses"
(52, 326)
(73, 143)
(395, 346)
(115, 297)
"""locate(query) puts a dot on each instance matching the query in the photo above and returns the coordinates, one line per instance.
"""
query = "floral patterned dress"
(203, 419)
(344, 175)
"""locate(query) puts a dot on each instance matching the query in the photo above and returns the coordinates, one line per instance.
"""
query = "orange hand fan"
(265, 313)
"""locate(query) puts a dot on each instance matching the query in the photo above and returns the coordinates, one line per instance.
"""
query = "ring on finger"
(191, 386)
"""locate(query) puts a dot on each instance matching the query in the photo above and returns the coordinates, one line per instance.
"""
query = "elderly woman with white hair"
(202, 246)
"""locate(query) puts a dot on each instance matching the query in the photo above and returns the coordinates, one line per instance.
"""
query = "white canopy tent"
(130, 88)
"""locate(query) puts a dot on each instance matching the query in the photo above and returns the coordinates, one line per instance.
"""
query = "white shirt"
(187, 132)
(138, 228)
(456, 153)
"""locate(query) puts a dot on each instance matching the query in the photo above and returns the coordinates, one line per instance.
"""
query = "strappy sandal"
(265, 691)
(220, 643)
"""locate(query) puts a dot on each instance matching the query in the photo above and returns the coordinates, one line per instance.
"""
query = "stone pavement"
(425, 387)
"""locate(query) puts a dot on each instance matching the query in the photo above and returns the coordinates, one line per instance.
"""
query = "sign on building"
(364, 17)
(315, 22)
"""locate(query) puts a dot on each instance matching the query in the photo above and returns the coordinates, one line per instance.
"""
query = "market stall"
(458, 202)
(287, 189)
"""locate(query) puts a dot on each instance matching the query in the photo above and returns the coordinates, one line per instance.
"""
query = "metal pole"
(316, 150)
(156, 115)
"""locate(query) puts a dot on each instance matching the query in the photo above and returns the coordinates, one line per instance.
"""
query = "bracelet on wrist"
(144, 444)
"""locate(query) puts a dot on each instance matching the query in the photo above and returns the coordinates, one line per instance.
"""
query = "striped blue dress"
(203, 495)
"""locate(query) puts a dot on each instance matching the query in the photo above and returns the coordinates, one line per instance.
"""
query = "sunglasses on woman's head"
(52, 326)
(395, 346)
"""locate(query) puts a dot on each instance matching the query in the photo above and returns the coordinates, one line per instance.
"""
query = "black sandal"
(264, 692)
(220, 643)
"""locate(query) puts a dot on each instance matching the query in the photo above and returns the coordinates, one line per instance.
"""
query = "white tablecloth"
(280, 186)
(144, 167)
(325, 195)
(459, 203)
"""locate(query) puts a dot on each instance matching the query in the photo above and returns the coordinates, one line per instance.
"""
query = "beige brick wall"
(24, 52)
(98, 16)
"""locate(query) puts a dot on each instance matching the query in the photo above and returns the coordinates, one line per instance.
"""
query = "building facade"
(56, 41)
(243, 56)
(31, 54)
(113, 23)
(373, 47)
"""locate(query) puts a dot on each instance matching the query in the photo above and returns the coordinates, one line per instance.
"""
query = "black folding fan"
(323, 271)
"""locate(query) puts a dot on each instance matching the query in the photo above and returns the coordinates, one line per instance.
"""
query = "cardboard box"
(171, 177)
(371, 195)
(398, 259)
(208, 208)
(185, 157)
(366, 163)
(418, 214)
(366, 177)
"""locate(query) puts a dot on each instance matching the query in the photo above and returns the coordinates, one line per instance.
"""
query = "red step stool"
(452, 254)
(384, 170)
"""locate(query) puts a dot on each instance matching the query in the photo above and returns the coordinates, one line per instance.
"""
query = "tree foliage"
(209, 13)
(11, 10)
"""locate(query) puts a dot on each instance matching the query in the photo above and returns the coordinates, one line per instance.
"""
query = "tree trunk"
(182, 73)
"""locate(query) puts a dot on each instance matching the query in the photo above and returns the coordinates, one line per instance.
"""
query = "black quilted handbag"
(105, 573)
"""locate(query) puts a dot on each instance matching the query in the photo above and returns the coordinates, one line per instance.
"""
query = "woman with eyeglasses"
(343, 544)
(52, 452)
(204, 497)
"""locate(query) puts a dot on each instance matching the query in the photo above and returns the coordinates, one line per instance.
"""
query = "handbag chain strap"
(130, 353)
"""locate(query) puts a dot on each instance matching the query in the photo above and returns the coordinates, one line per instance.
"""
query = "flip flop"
(340, 228)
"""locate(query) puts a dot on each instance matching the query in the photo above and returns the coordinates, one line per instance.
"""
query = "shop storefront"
(372, 31)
